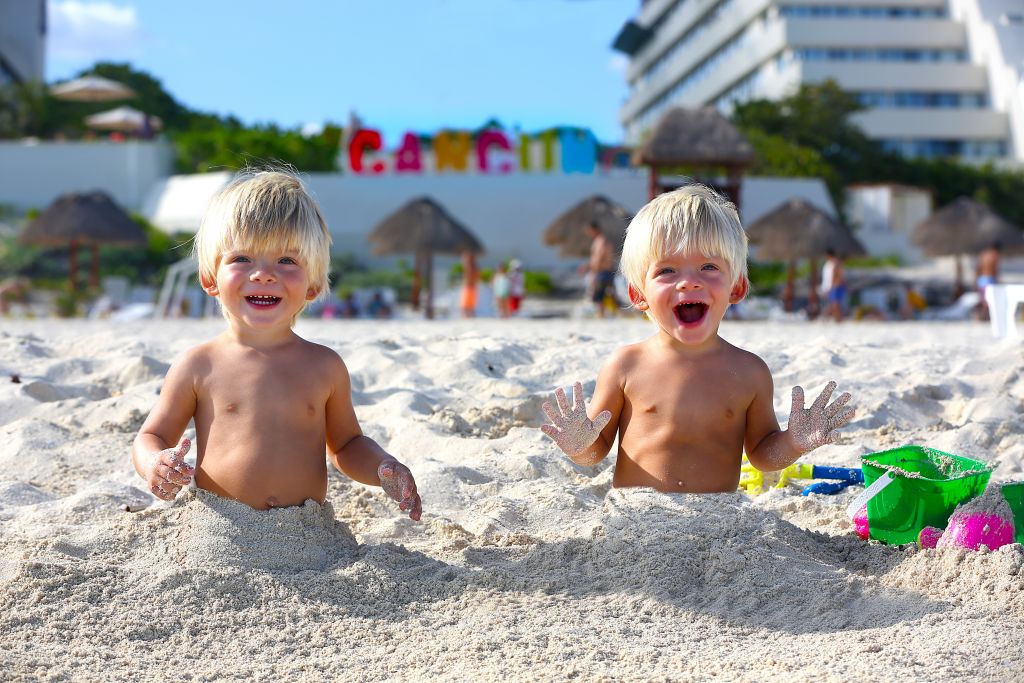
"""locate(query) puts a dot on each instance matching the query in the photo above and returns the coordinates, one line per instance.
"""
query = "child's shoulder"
(320, 355)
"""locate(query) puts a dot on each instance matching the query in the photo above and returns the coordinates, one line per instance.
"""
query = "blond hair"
(262, 211)
(692, 219)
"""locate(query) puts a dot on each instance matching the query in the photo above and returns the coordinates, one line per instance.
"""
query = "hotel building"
(22, 41)
(938, 77)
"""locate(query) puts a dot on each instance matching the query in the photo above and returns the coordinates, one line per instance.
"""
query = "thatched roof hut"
(965, 226)
(567, 231)
(796, 229)
(695, 137)
(422, 225)
(701, 139)
(83, 219)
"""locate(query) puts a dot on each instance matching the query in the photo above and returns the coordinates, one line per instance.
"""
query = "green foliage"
(233, 148)
(348, 273)
(765, 277)
(811, 134)
(537, 283)
(147, 265)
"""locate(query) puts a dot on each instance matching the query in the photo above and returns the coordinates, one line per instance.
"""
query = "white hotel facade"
(939, 77)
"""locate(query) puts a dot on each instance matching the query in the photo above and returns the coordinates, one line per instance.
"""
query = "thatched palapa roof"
(88, 218)
(422, 225)
(965, 227)
(703, 136)
(567, 230)
(796, 229)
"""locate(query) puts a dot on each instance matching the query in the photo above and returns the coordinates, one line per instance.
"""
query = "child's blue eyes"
(663, 271)
(286, 260)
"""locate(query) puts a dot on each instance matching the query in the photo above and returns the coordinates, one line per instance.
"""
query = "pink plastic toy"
(860, 523)
(985, 521)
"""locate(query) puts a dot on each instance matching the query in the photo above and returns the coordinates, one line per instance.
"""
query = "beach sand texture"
(525, 567)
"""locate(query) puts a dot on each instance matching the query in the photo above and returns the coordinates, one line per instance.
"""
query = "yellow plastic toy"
(754, 482)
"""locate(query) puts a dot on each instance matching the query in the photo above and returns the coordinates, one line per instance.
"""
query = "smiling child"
(267, 404)
(685, 403)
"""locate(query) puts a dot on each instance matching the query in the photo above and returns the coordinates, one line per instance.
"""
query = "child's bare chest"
(257, 392)
(690, 397)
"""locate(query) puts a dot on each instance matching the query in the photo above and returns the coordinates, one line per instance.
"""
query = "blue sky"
(401, 64)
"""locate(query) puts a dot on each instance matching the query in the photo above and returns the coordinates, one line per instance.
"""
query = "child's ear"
(637, 299)
(739, 290)
(312, 293)
(210, 287)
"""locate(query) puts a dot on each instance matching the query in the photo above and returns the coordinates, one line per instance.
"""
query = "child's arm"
(154, 454)
(768, 447)
(359, 456)
(587, 441)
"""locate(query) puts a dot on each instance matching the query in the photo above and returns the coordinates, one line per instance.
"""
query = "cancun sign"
(490, 151)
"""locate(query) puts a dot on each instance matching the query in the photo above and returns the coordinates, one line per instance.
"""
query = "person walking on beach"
(685, 403)
(833, 284)
(601, 267)
(470, 282)
(266, 402)
(516, 286)
(500, 285)
(987, 273)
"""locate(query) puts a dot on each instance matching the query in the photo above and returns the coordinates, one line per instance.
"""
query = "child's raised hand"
(168, 471)
(397, 482)
(571, 429)
(815, 426)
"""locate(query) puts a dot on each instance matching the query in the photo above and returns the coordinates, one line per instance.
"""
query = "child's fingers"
(601, 421)
(842, 418)
(182, 448)
(417, 509)
(798, 401)
(577, 396)
(823, 397)
(550, 430)
(563, 401)
(552, 414)
(837, 404)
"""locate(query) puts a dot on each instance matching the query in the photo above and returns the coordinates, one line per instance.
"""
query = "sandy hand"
(169, 472)
(571, 429)
(815, 426)
(397, 482)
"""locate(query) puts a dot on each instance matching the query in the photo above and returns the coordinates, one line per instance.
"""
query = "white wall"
(36, 173)
(507, 213)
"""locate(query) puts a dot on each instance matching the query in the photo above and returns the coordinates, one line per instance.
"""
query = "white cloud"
(618, 64)
(90, 31)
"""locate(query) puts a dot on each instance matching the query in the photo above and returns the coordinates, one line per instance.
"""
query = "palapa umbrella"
(125, 119)
(794, 230)
(423, 227)
(92, 88)
(965, 226)
(702, 138)
(89, 219)
(567, 231)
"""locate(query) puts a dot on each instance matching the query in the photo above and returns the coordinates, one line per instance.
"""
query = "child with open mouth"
(685, 404)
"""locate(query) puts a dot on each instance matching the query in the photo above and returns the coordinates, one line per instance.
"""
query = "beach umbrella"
(123, 119)
(795, 230)
(965, 226)
(83, 219)
(423, 227)
(701, 138)
(92, 88)
(567, 231)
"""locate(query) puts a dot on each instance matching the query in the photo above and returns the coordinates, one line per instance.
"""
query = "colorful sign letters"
(491, 151)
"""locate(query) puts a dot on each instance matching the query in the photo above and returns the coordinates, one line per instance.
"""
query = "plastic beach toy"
(913, 487)
(984, 521)
(1013, 492)
(754, 481)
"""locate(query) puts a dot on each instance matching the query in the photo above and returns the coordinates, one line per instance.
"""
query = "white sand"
(525, 567)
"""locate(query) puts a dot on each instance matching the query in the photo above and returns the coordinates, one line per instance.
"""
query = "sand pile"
(525, 566)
